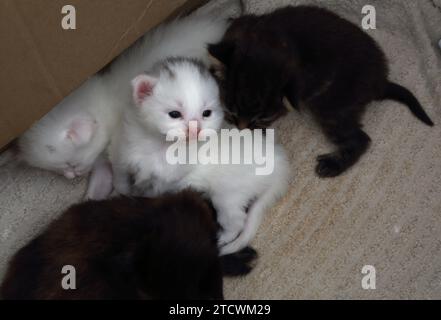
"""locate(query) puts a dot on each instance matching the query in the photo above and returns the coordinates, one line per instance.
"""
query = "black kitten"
(306, 55)
(128, 248)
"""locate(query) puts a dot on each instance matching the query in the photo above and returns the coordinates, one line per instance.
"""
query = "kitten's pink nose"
(193, 129)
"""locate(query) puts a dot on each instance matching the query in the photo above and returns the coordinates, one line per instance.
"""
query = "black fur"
(239, 263)
(314, 58)
(128, 248)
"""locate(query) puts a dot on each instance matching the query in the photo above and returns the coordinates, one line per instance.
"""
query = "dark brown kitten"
(127, 248)
(306, 56)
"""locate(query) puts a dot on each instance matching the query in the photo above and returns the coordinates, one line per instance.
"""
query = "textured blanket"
(384, 212)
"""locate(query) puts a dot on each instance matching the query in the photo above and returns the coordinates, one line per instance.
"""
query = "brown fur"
(127, 248)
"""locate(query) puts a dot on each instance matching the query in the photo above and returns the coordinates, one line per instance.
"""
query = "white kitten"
(70, 138)
(166, 99)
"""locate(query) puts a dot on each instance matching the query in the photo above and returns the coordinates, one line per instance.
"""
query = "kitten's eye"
(206, 113)
(175, 114)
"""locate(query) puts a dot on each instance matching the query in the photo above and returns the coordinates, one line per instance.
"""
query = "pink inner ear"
(81, 131)
(144, 90)
(142, 87)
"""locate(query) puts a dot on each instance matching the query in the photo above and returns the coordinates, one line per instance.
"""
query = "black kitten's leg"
(238, 263)
(351, 142)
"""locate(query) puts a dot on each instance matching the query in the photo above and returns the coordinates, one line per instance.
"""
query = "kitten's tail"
(401, 94)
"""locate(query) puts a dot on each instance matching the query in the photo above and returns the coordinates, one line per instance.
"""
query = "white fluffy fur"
(69, 139)
(138, 152)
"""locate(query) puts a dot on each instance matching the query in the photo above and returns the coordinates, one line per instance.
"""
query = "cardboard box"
(41, 62)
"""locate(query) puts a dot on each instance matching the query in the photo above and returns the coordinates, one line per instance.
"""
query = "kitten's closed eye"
(175, 114)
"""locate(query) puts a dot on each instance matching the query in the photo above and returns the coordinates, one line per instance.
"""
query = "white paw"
(100, 181)
(227, 237)
(232, 223)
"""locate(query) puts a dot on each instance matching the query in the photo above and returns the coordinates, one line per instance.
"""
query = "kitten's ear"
(143, 86)
(221, 52)
(81, 131)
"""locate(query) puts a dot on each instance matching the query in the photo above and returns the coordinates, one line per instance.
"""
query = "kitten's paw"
(231, 226)
(226, 237)
(100, 181)
(329, 165)
(239, 263)
(246, 255)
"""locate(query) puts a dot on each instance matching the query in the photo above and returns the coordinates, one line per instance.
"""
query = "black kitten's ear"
(221, 52)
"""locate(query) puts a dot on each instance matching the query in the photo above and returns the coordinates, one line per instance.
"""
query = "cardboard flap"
(41, 62)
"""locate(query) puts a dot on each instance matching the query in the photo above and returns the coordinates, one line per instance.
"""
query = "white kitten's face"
(67, 149)
(183, 92)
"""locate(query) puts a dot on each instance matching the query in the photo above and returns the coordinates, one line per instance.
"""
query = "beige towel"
(384, 212)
